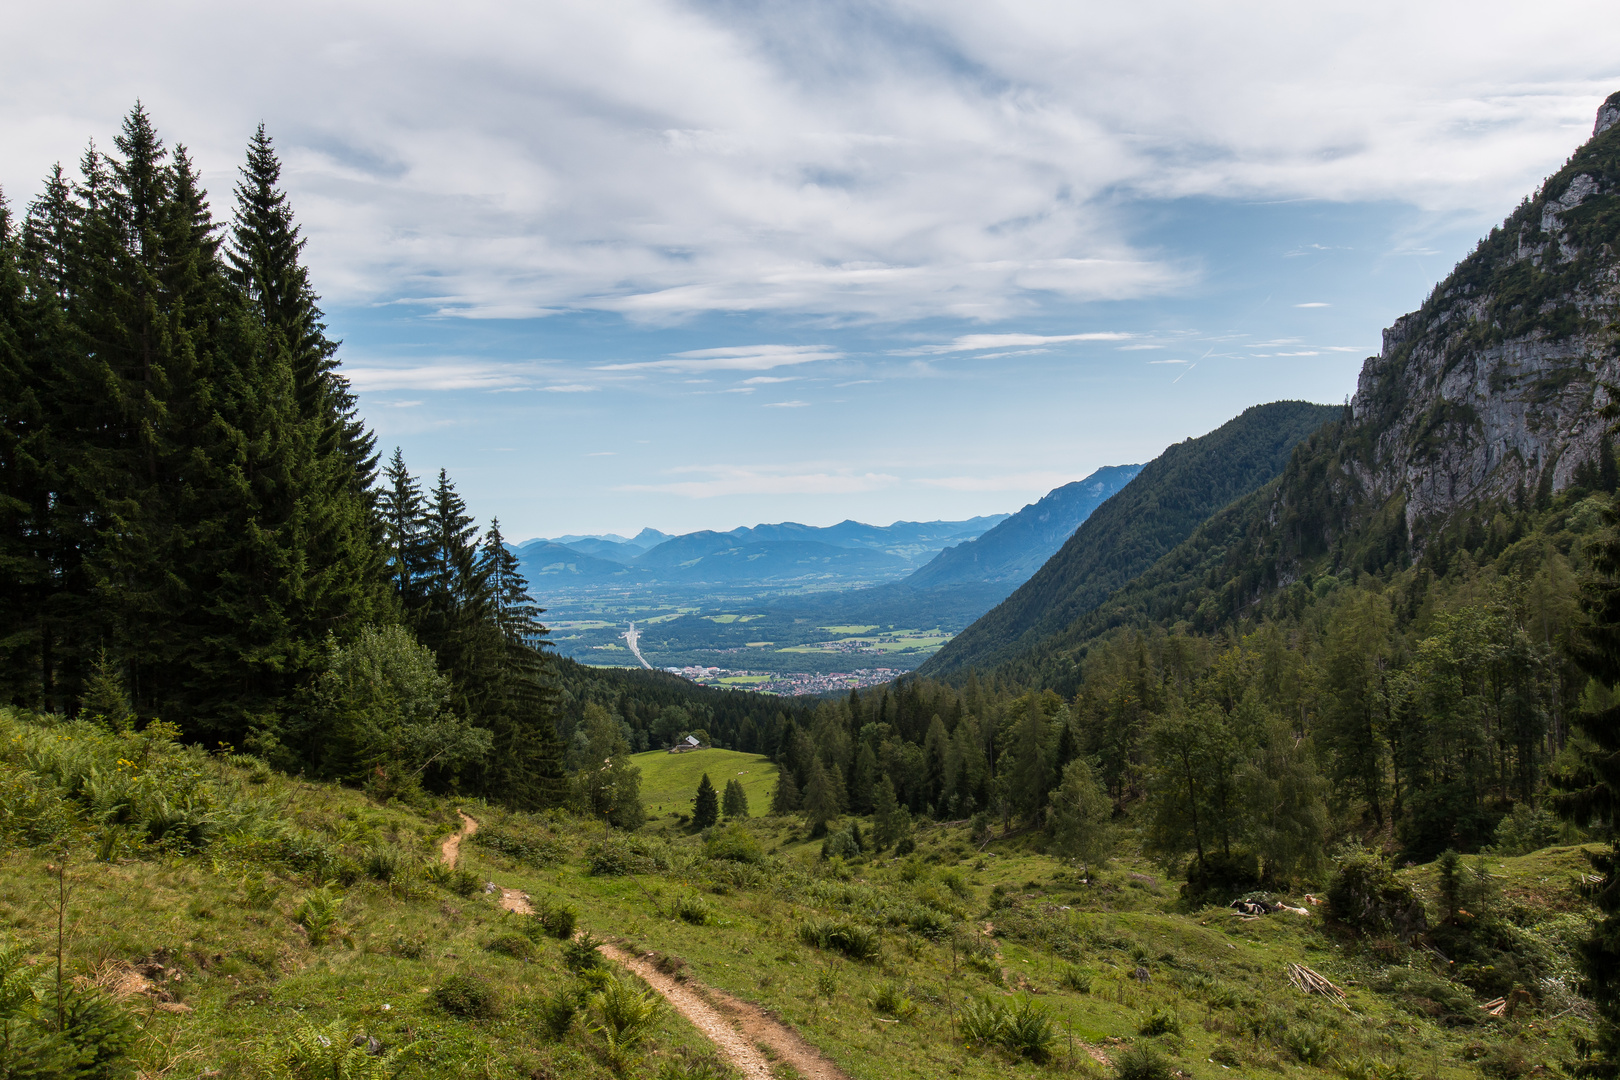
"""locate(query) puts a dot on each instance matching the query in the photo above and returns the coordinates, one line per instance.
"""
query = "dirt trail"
(450, 850)
(737, 1028)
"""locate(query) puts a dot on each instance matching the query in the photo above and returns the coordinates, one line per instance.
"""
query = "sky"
(702, 265)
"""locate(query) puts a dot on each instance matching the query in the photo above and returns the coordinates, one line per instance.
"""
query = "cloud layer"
(885, 161)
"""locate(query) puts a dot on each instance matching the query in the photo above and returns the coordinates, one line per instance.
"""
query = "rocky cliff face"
(1492, 388)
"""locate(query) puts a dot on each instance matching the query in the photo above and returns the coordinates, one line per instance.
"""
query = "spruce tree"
(526, 767)
(403, 514)
(735, 804)
(706, 805)
(785, 799)
(885, 815)
(820, 798)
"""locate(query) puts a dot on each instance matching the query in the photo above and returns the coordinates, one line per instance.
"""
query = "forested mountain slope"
(1017, 547)
(1482, 405)
(1166, 501)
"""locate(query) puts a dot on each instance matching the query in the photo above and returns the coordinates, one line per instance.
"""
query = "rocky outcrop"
(1492, 389)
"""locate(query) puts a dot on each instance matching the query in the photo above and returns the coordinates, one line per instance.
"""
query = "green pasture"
(669, 781)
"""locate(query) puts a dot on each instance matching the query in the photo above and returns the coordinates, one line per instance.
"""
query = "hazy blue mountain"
(1016, 548)
(546, 563)
(691, 559)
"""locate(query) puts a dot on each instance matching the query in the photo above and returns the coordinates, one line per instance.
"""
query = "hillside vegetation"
(223, 920)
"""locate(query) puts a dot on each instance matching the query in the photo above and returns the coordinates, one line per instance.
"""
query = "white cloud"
(732, 358)
(1167, 361)
(439, 375)
(1138, 348)
(762, 380)
(787, 405)
(891, 160)
(1313, 304)
(569, 388)
(977, 342)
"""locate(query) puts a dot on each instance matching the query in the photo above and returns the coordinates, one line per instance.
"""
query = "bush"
(625, 1014)
(1143, 1061)
(319, 915)
(690, 1066)
(1526, 829)
(557, 1012)
(734, 843)
(465, 883)
(385, 862)
(1031, 1032)
(516, 946)
(1076, 979)
(558, 920)
(1367, 896)
(1221, 877)
(1024, 1030)
(469, 996)
(580, 954)
(529, 845)
(1160, 1022)
(693, 909)
(852, 939)
(620, 854)
(891, 1000)
(843, 844)
(334, 1052)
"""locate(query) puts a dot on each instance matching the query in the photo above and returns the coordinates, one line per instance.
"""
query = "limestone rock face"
(1492, 388)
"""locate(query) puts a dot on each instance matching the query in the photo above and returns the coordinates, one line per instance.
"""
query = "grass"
(669, 781)
(1012, 935)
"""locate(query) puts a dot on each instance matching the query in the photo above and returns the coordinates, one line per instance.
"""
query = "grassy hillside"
(1172, 495)
(669, 781)
(239, 914)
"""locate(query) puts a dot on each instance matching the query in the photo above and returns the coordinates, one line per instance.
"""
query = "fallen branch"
(1498, 1007)
(1311, 982)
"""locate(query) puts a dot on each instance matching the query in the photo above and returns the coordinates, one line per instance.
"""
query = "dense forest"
(195, 524)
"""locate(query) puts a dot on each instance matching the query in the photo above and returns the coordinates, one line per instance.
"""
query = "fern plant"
(333, 1052)
(624, 1017)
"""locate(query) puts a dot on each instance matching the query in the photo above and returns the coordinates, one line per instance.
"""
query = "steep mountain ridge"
(1490, 394)
(1171, 496)
(1017, 547)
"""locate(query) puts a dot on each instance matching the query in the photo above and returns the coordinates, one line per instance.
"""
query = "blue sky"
(704, 265)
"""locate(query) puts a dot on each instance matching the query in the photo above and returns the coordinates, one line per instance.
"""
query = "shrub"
(1160, 1022)
(334, 1052)
(891, 1000)
(690, 1066)
(1024, 1030)
(852, 939)
(734, 843)
(516, 946)
(468, 995)
(1143, 1061)
(693, 909)
(982, 1022)
(1075, 978)
(1030, 1032)
(385, 862)
(1527, 829)
(625, 1015)
(842, 844)
(826, 983)
(465, 883)
(558, 919)
(319, 915)
(557, 1011)
(620, 854)
(1367, 896)
(580, 954)
(529, 845)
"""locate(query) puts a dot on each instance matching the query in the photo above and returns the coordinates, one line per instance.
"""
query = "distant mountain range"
(996, 550)
(849, 553)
